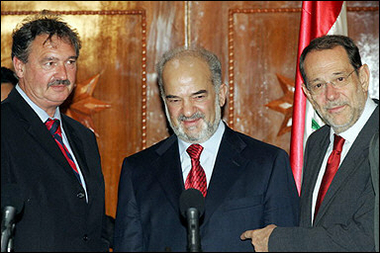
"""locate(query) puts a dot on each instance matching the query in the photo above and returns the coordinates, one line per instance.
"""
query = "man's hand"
(259, 237)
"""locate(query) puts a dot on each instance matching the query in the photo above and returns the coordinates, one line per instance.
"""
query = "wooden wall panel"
(256, 42)
(363, 27)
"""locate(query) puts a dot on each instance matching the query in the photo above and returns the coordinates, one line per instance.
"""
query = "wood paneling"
(256, 42)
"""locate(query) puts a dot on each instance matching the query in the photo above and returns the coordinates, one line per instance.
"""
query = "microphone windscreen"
(11, 196)
(191, 198)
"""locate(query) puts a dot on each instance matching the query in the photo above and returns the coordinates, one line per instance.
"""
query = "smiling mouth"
(336, 109)
(191, 122)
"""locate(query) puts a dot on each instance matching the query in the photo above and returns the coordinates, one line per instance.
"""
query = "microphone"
(11, 205)
(192, 206)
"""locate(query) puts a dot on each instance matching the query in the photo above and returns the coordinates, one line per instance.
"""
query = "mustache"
(58, 82)
(196, 115)
(334, 104)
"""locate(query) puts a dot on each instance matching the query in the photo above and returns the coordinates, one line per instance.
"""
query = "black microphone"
(11, 205)
(192, 206)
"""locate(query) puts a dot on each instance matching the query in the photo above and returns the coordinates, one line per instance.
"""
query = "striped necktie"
(197, 176)
(55, 129)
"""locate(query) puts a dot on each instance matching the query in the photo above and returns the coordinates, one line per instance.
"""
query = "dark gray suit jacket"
(345, 219)
(374, 163)
(56, 216)
(251, 186)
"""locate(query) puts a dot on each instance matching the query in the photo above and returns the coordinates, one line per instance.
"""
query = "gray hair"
(42, 23)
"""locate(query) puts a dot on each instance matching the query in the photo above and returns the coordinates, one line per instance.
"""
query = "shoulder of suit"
(241, 141)
(75, 124)
(324, 130)
(159, 147)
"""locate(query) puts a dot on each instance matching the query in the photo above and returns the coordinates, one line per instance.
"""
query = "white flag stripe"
(340, 26)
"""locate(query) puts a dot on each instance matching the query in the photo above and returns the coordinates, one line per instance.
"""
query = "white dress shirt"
(208, 155)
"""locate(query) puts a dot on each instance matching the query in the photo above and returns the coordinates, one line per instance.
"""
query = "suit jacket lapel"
(357, 153)
(167, 169)
(315, 158)
(77, 148)
(228, 167)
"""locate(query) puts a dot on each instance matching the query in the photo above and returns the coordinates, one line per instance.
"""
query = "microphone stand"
(10, 246)
(193, 237)
(7, 228)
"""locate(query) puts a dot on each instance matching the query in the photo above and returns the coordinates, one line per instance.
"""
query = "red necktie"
(197, 176)
(55, 129)
(331, 169)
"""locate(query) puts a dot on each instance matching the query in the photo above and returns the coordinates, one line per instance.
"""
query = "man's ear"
(222, 94)
(19, 67)
(364, 75)
(306, 91)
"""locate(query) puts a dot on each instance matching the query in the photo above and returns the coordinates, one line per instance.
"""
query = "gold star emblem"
(284, 104)
(83, 105)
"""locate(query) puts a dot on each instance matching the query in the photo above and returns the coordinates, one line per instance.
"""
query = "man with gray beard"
(246, 183)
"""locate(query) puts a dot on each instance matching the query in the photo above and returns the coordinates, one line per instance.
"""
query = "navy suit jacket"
(56, 216)
(251, 186)
(345, 219)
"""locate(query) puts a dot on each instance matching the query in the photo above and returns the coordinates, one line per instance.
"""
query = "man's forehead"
(188, 60)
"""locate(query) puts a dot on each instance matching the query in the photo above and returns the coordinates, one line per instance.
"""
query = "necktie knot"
(194, 151)
(53, 126)
(338, 143)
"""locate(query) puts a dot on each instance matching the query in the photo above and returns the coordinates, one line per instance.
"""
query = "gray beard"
(208, 128)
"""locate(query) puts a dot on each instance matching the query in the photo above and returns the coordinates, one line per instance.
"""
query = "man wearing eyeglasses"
(337, 194)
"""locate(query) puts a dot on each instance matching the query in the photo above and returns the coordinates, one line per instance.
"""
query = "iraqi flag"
(318, 18)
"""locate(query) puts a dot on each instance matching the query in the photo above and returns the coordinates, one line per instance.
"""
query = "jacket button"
(80, 195)
(85, 238)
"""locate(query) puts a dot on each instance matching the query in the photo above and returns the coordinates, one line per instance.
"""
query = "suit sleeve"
(281, 198)
(128, 229)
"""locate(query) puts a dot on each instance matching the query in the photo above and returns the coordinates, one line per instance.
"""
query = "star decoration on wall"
(83, 105)
(284, 104)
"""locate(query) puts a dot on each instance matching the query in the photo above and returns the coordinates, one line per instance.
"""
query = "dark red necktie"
(331, 169)
(197, 176)
(55, 129)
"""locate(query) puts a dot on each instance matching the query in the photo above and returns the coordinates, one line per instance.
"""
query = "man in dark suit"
(59, 179)
(336, 84)
(249, 183)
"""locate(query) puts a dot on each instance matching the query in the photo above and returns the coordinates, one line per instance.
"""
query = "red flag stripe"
(317, 18)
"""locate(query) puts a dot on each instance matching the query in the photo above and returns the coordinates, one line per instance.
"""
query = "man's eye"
(317, 86)
(341, 79)
(71, 63)
(173, 100)
(199, 97)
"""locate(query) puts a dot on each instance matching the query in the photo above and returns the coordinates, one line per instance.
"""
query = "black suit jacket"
(56, 216)
(251, 186)
(345, 219)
